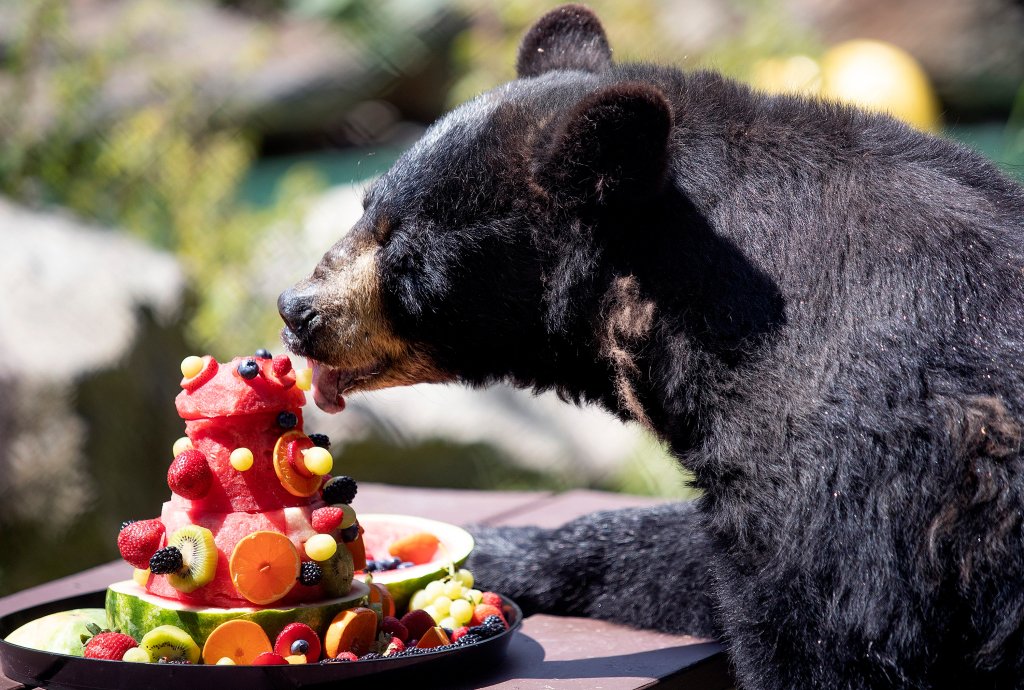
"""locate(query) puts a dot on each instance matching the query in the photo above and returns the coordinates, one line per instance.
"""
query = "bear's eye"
(383, 228)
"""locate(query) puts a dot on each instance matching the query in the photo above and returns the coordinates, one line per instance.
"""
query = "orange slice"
(239, 640)
(264, 566)
(435, 637)
(418, 548)
(379, 594)
(352, 630)
(290, 445)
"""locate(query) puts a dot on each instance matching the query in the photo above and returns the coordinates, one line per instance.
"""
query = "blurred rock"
(538, 432)
(89, 331)
(275, 74)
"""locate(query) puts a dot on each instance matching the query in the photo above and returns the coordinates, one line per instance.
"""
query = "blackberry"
(249, 369)
(166, 561)
(310, 573)
(340, 489)
(469, 638)
(350, 534)
(287, 420)
(371, 655)
(320, 440)
(333, 660)
(263, 353)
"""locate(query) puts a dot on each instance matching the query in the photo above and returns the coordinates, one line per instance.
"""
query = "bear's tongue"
(325, 387)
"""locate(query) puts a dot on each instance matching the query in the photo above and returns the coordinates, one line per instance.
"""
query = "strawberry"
(282, 365)
(138, 541)
(208, 371)
(347, 656)
(326, 520)
(483, 610)
(109, 645)
(189, 475)
(459, 632)
(491, 598)
(392, 626)
(394, 647)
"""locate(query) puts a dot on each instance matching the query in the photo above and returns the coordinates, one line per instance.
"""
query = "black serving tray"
(45, 669)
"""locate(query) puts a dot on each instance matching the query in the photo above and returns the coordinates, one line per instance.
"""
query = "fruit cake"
(256, 529)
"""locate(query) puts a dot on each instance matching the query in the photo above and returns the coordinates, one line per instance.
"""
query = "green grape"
(441, 604)
(420, 600)
(434, 589)
(474, 596)
(453, 589)
(465, 577)
(461, 610)
(433, 612)
(448, 622)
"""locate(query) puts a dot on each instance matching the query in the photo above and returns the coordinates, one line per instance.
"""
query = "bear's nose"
(296, 310)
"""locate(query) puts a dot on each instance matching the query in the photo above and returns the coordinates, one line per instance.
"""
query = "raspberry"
(310, 573)
(456, 634)
(109, 645)
(166, 561)
(339, 490)
(189, 475)
(326, 520)
(344, 656)
(491, 598)
(138, 541)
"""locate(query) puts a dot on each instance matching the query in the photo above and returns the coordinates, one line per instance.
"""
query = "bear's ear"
(612, 145)
(568, 37)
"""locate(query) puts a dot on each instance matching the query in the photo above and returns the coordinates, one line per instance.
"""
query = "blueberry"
(350, 534)
(372, 566)
(393, 563)
(249, 369)
(405, 564)
(263, 354)
(320, 440)
(300, 647)
(287, 420)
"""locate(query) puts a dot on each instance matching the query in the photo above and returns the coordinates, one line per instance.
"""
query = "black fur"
(819, 310)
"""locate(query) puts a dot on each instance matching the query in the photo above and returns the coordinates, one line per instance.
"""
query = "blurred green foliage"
(162, 172)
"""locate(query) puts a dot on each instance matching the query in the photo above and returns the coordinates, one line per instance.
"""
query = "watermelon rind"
(59, 633)
(132, 610)
(456, 545)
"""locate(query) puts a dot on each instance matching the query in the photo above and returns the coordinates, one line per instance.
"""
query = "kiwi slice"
(170, 643)
(198, 558)
(338, 572)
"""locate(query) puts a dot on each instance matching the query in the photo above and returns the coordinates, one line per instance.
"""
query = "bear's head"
(478, 255)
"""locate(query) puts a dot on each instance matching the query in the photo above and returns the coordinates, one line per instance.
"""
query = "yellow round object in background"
(797, 74)
(881, 77)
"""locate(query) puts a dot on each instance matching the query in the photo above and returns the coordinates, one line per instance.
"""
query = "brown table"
(549, 651)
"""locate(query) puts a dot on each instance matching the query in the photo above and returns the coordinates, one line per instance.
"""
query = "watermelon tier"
(243, 492)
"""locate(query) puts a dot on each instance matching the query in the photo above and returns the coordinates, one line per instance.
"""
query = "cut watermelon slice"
(382, 528)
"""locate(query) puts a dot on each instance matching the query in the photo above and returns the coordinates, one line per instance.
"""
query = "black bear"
(819, 310)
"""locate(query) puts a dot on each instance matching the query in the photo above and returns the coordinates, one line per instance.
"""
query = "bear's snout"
(297, 311)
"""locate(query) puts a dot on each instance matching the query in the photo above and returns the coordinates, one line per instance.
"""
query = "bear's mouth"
(330, 384)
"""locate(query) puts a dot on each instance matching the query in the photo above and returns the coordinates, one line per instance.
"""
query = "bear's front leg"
(645, 567)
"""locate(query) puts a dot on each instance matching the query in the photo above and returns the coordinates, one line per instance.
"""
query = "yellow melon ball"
(191, 365)
(320, 547)
(181, 445)
(241, 459)
(304, 379)
(318, 460)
